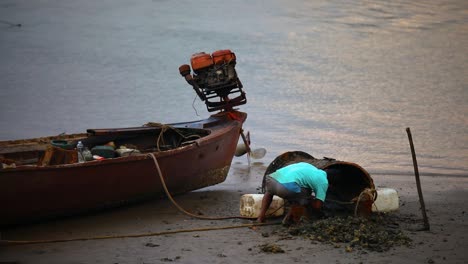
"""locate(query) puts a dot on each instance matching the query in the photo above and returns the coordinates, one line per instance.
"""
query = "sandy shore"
(445, 198)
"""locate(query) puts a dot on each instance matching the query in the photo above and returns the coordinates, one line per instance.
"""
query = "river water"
(341, 79)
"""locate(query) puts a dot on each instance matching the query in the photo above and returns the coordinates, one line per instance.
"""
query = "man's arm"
(266, 201)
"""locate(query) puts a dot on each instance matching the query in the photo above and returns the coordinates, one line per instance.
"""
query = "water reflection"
(340, 79)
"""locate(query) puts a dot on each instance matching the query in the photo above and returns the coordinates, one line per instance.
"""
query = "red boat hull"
(29, 193)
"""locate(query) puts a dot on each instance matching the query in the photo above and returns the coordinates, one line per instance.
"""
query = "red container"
(223, 56)
(201, 60)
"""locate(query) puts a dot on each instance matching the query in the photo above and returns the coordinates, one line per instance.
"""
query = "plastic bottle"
(79, 148)
(87, 154)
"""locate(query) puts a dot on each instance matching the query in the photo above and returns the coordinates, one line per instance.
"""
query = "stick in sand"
(418, 182)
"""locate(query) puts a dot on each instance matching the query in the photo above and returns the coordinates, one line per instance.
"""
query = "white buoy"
(387, 200)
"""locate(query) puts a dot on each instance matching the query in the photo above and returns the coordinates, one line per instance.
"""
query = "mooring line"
(29, 242)
(163, 183)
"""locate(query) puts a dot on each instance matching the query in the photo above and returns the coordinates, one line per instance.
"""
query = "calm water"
(340, 79)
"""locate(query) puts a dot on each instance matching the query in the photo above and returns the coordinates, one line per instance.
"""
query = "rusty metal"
(346, 190)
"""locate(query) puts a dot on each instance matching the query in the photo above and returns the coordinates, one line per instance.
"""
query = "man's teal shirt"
(303, 175)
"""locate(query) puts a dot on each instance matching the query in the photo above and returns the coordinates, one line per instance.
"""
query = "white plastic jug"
(250, 205)
(387, 200)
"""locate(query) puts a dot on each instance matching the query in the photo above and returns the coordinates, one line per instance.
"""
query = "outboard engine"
(214, 79)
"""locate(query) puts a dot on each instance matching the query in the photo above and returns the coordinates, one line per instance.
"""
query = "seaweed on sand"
(375, 233)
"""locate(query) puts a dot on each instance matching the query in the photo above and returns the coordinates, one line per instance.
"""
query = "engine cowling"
(215, 76)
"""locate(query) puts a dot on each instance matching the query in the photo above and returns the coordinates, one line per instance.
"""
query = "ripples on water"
(333, 78)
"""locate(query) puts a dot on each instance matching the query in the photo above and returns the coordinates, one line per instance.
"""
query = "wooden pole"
(418, 182)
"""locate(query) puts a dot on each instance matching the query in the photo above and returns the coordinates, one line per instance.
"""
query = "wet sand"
(445, 199)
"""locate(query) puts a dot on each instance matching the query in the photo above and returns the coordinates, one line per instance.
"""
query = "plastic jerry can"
(387, 200)
(250, 205)
(222, 56)
(201, 60)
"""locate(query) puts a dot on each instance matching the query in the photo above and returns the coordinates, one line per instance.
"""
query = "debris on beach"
(271, 248)
(374, 233)
(170, 259)
(149, 244)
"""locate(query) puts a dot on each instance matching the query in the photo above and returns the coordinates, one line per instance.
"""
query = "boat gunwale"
(215, 131)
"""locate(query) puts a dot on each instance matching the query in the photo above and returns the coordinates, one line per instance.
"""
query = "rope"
(370, 192)
(164, 128)
(338, 201)
(163, 182)
(29, 242)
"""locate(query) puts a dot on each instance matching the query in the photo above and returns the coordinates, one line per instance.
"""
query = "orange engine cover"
(223, 56)
(201, 60)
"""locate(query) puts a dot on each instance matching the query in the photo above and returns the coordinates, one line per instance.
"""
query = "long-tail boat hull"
(30, 192)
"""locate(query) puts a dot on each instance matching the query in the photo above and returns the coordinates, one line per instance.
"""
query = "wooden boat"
(41, 179)
(30, 191)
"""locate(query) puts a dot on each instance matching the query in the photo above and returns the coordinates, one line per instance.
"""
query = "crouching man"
(296, 183)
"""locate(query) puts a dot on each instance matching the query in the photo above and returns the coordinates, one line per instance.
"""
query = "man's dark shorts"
(274, 187)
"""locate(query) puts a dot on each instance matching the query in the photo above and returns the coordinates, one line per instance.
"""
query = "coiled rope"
(164, 128)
